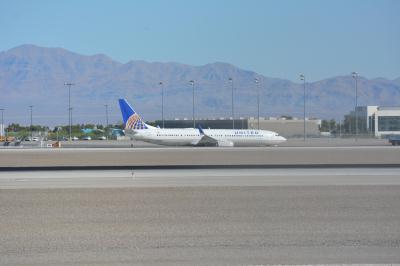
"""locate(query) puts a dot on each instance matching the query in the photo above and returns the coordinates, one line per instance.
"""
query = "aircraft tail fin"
(131, 119)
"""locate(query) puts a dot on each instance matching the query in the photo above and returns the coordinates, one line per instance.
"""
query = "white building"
(386, 121)
(381, 121)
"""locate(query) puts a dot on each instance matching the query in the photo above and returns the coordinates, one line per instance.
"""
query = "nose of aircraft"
(282, 139)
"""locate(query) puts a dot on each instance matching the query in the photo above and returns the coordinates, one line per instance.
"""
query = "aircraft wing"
(210, 141)
(207, 141)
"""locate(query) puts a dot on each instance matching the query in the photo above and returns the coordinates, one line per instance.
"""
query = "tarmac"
(228, 177)
(115, 158)
(294, 204)
(291, 142)
(202, 217)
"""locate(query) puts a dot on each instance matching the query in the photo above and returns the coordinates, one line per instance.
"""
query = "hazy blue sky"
(274, 38)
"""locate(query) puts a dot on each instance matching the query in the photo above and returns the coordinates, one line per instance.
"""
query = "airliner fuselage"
(214, 137)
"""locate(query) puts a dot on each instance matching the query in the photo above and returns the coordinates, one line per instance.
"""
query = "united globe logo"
(134, 122)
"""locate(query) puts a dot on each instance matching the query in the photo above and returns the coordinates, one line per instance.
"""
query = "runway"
(201, 178)
(189, 156)
(169, 206)
(223, 216)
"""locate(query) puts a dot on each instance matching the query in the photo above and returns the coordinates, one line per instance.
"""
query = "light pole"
(355, 76)
(106, 129)
(31, 107)
(192, 83)
(258, 102)
(303, 78)
(2, 122)
(69, 84)
(233, 109)
(162, 103)
(70, 127)
(106, 106)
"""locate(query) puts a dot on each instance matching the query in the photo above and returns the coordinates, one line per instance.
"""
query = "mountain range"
(33, 75)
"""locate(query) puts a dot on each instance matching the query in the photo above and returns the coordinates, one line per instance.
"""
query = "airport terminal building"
(378, 120)
(288, 127)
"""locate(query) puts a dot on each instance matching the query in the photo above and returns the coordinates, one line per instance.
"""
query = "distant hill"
(35, 75)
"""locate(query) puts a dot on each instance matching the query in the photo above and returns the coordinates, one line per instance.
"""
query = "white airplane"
(139, 130)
